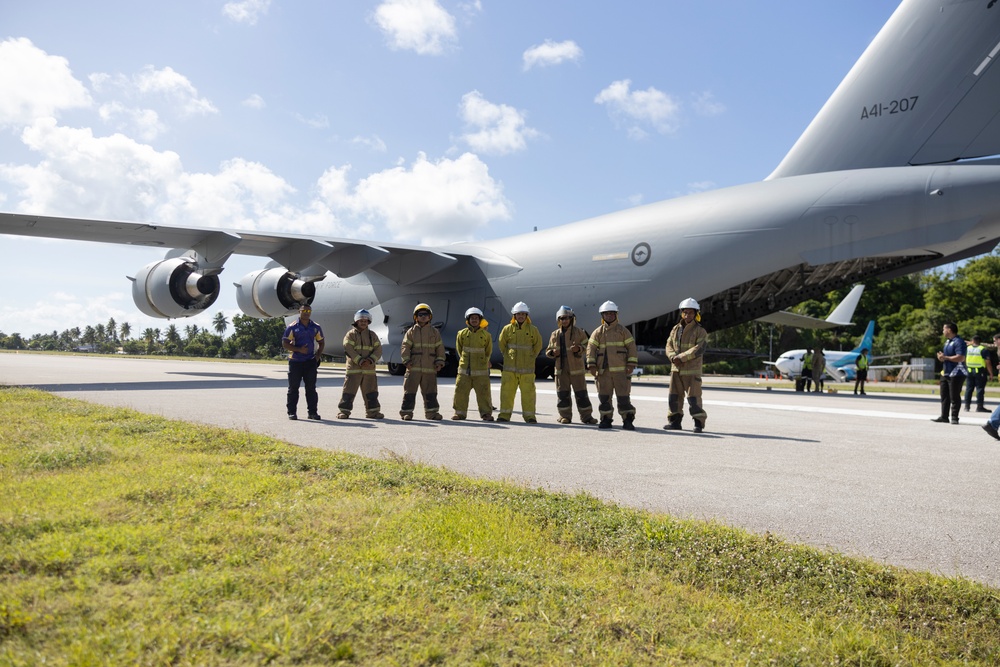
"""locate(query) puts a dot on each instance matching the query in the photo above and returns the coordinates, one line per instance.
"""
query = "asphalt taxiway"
(865, 476)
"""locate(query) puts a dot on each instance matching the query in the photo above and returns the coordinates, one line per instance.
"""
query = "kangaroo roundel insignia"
(641, 254)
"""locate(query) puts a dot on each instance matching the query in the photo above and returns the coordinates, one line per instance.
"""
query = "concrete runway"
(865, 476)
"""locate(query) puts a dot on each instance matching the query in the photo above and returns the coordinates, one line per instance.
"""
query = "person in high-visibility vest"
(975, 361)
(862, 372)
(807, 369)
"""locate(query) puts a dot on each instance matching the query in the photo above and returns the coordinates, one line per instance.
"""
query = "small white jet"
(882, 183)
(840, 365)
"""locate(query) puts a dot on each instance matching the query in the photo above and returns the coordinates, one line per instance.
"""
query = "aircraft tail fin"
(840, 317)
(844, 312)
(925, 91)
(867, 339)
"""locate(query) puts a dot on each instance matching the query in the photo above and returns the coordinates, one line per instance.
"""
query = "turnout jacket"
(474, 348)
(687, 342)
(360, 345)
(423, 346)
(520, 344)
(611, 348)
(560, 345)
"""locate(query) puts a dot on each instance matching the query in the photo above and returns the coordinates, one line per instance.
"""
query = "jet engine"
(174, 287)
(273, 292)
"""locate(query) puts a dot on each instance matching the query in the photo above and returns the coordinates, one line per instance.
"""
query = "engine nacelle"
(174, 288)
(273, 293)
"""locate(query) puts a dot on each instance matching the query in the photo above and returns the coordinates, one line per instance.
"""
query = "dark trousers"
(976, 382)
(299, 372)
(951, 395)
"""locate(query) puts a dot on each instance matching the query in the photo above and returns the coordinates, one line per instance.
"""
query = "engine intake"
(174, 288)
(273, 293)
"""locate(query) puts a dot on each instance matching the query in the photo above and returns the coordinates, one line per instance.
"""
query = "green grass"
(131, 539)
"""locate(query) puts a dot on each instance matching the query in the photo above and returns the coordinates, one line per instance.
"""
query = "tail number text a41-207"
(894, 106)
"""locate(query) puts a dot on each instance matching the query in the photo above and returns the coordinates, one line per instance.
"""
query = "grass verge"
(131, 539)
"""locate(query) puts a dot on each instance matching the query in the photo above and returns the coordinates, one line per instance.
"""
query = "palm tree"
(220, 324)
(126, 330)
(112, 330)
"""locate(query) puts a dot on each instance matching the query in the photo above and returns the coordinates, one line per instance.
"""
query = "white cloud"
(373, 143)
(144, 122)
(317, 122)
(431, 202)
(552, 53)
(116, 177)
(639, 109)
(500, 129)
(175, 87)
(705, 104)
(421, 25)
(246, 11)
(255, 101)
(35, 84)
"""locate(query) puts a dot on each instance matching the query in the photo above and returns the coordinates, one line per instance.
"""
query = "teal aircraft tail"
(867, 339)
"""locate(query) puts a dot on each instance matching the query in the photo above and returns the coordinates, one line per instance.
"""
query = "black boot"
(628, 425)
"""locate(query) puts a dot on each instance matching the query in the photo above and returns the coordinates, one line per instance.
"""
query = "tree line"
(908, 313)
(251, 338)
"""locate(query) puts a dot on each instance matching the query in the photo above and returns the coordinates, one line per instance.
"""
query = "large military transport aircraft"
(883, 182)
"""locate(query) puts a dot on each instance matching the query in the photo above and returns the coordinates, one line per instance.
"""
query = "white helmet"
(565, 311)
(473, 311)
(608, 307)
(520, 307)
(363, 315)
(689, 303)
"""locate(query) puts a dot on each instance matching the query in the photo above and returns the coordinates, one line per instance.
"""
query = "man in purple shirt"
(304, 342)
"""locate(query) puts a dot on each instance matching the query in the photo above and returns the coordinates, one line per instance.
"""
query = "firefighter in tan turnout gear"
(685, 350)
(520, 342)
(362, 349)
(422, 353)
(568, 345)
(611, 358)
(474, 346)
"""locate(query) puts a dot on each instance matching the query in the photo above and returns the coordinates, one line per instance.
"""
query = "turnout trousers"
(619, 384)
(509, 384)
(569, 386)
(368, 384)
(681, 385)
(464, 384)
(426, 382)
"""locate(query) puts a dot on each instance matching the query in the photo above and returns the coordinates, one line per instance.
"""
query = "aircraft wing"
(402, 264)
(840, 317)
(789, 319)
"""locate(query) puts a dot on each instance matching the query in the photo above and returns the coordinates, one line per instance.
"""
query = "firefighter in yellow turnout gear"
(685, 350)
(362, 348)
(611, 358)
(474, 346)
(422, 353)
(520, 342)
(567, 345)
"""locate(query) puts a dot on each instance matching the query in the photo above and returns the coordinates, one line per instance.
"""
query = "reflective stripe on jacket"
(474, 348)
(360, 345)
(687, 342)
(422, 345)
(611, 348)
(520, 345)
(575, 363)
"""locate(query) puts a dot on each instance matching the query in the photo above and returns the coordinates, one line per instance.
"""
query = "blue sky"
(417, 121)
